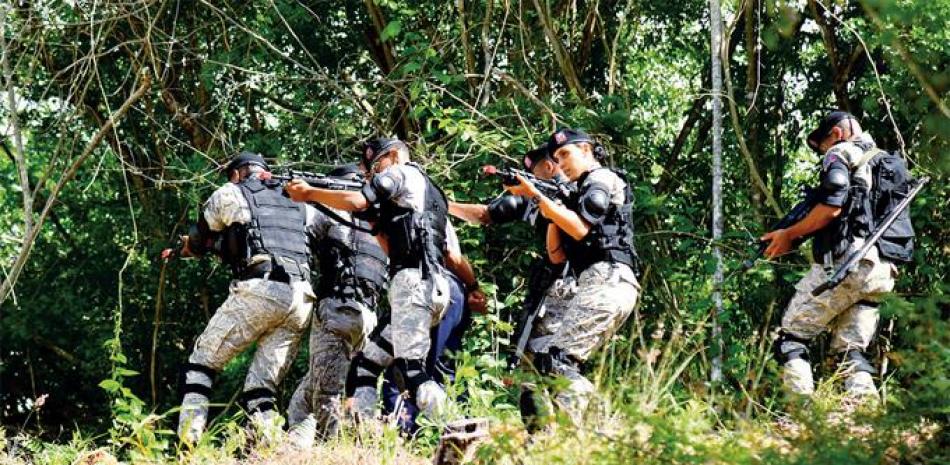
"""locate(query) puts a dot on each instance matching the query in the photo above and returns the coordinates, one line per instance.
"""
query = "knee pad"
(788, 347)
(354, 379)
(410, 374)
(186, 387)
(859, 362)
(555, 361)
(259, 400)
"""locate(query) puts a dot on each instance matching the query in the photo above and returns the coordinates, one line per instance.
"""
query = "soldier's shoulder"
(605, 176)
(848, 153)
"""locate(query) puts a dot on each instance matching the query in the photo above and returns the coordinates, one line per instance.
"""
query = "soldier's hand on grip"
(297, 190)
(524, 188)
(779, 243)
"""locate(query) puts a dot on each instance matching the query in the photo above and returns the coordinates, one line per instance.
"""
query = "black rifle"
(797, 213)
(321, 181)
(871, 241)
(541, 277)
(550, 188)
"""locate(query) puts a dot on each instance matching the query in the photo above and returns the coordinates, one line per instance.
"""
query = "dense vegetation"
(116, 114)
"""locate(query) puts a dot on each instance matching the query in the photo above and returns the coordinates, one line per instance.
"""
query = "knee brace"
(859, 362)
(186, 387)
(363, 372)
(259, 400)
(555, 360)
(788, 347)
(410, 374)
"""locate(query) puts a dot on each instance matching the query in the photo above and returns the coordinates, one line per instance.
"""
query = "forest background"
(116, 115)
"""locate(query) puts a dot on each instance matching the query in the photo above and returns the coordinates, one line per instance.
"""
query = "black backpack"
(891, 182)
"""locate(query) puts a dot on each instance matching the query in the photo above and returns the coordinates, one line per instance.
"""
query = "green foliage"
(467, 84)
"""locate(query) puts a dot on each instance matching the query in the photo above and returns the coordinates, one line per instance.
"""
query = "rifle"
(541, 277)
(550, 188)
(857, 255)
(321, 181)
(796, 214)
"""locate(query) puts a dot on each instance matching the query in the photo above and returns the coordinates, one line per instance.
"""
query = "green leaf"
(110, 385)
(391, 31)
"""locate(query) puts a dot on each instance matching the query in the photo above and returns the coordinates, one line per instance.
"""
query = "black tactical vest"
(352, 269)
(609, 241)
(416, 239)
(277, 229)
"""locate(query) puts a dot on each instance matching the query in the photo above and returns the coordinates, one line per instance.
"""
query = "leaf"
(391, 31)
(110, 385)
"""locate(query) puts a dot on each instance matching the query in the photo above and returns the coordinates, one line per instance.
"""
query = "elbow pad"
(594, 204)
(382, 188)
(200, 237)
(506, 208)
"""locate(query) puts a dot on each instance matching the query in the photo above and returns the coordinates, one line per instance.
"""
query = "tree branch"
(7, 286)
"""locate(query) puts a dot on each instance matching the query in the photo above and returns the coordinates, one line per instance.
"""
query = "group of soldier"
(393, 240)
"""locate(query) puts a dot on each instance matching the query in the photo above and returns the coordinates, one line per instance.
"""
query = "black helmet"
(373, 149)
(246, 158)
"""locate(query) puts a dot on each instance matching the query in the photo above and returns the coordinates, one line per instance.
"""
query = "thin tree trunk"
(18, 152)
(560, 53)
(715, 32)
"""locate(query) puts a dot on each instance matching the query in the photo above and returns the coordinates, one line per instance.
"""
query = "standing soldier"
(266, 241)
(353, 276)
(593, 232)
(414, 230)
(836, 223)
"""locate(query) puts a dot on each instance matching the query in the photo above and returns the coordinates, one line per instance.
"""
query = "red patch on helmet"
(527, 162)
(560, 138)
(369, 152)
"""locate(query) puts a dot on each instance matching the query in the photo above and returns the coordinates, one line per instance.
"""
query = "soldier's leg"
(275, 352)
(238, 322)
(857, 325)
(339, 331)
(416, 306)
(852, 336)
(366, 368)
(535, 408)
(606, 295)
(807, 316)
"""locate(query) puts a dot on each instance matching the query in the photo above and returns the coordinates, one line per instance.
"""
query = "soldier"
(353, 276)
(266, 240)
(850, 310)
(593, 232)
(550, 286)
(414, 230)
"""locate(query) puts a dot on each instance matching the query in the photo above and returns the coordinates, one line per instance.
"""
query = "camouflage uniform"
(849, 310)
(272, 314)
(605, 295)
(339, 329)
(416, 304)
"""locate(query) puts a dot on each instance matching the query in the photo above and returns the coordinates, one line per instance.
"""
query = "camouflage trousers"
(416, 305)
(339, 329)
(270, 313)
(849, 311)
(551, 315)
(605, 296)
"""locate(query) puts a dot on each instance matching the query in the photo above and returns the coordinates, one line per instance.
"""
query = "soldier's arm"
(552, 242)
(833, 193)
(781, 240)
(474, 213)
(350, 201)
